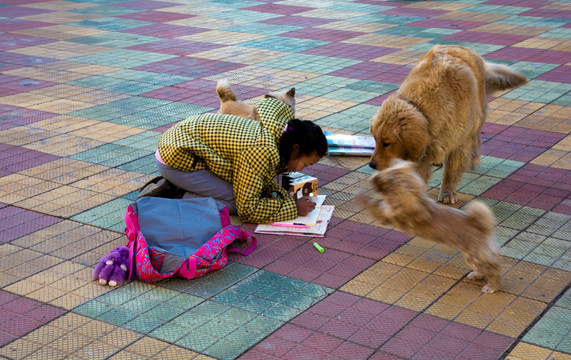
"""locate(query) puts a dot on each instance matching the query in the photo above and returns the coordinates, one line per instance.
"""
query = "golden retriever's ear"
(413, 134)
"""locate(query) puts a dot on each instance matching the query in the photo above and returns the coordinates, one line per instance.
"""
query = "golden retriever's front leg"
(454, 167)
(424, 168)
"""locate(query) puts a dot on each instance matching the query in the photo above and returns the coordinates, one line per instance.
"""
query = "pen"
(299, 226)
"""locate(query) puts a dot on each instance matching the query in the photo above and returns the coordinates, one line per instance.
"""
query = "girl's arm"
(251, 174)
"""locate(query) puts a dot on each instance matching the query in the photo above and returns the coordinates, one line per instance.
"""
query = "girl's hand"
(304, 205)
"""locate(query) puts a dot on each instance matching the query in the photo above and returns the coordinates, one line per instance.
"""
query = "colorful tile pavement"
(88, 86)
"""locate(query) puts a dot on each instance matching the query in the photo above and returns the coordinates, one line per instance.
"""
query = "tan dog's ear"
(413, 134)
(291, 92)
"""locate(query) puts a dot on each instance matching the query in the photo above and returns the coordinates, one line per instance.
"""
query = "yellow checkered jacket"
(241, 151)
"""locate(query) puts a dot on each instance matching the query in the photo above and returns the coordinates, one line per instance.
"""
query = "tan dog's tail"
(502, 77)
(481, 216)
(224, 91)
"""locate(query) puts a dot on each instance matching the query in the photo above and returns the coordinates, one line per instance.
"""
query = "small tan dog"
(406, 207)
(437, 114)
(229, 103)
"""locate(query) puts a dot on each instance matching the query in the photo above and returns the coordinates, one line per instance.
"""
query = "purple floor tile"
(145, 4)
(523, 3)
(485, 38)
(547, 13)
(402, 347)
(560, 74)
(11, 116)
(531, 55)
(21, 11)
(10, 41)
(272, 346)
(192, 92)
(303, 352)
(190, 67)
(534, 186)
(28, 315)
(156, 16)
(15, 159)
(19, 24)
(350, 351)
(10, 85)
(378, 101)
(408, 12)
(447, 24)
(16, 222)
(350, 51)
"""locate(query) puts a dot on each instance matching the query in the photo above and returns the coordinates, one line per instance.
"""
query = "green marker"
(319, 248)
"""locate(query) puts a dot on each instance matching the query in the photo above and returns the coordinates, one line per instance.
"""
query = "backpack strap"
(188, 268)
(132, 232)
(245, 237)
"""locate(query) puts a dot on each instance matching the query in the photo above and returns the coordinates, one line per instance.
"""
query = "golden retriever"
(436, 115)
(229, 103)
(406, 207)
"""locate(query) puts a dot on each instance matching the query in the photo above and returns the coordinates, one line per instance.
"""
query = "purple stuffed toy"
(112, 267)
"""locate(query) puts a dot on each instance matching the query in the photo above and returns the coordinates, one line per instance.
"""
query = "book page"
(318, 230)
(311, 218)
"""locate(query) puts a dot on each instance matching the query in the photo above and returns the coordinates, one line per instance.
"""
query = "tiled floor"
(88, 86)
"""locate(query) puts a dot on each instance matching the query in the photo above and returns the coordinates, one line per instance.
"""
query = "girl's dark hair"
(307, 135)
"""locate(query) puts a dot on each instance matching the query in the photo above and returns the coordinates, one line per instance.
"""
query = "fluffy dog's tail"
(502, 77)
(481, 216)
(224, 91)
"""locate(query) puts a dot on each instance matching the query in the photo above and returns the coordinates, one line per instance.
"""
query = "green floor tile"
(284, 44)
(309, 63)
(169, 332)
(143, 324)
(117, 316)
(417, 31)
(197, 341)
(324, 84)
(497, 9)
(93, 309)
(262, 29)
(225, 350)
(122, 58)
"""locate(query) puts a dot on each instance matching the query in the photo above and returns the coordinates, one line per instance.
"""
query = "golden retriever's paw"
(488, 290)
(448, 197)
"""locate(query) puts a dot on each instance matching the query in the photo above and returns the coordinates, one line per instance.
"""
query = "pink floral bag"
(173, 240)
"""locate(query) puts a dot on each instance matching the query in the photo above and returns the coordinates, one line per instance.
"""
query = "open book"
(309, 219)
(317, 230)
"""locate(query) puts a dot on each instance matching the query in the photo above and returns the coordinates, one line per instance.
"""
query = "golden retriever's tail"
(502, 77)
(224, 91)
(481, 216)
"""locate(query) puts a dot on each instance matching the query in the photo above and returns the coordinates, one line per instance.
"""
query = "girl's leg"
(203, 183)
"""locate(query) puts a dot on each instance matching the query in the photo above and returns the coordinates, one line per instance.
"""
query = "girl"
(235, 160)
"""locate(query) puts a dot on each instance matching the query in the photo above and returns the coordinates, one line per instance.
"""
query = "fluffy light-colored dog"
(406, 207)
(229, 102)
(436, 115)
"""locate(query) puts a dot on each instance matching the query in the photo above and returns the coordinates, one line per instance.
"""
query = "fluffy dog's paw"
(448, 197)
(474, 276)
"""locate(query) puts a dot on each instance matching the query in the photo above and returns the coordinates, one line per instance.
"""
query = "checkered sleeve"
(253, 179)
